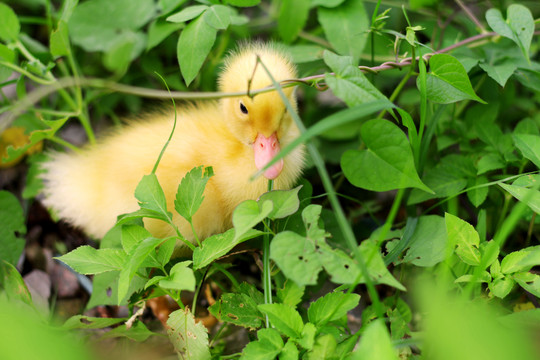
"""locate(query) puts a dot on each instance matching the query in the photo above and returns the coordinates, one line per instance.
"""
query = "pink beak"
(264, 150)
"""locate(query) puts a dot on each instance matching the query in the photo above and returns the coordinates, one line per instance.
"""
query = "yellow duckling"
(236, 136)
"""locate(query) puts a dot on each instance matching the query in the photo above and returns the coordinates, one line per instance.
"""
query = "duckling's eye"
(243, 108)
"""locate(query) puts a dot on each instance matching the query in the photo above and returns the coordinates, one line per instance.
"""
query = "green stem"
(64, 143)
(267, 276)
(391, 216)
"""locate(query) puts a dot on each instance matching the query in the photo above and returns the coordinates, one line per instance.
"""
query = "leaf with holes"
(239, 309)
(189, 195)
(190, 339)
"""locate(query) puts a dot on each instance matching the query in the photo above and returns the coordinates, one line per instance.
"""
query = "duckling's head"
(261, 121)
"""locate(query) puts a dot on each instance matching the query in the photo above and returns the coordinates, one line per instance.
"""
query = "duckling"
(236, 136)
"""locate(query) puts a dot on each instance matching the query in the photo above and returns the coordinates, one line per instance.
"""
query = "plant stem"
(267, 276)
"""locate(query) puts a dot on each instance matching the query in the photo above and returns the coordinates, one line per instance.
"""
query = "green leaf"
(478, 196)
(135, 259)
(292, 19)
(447, 82)
(88, 322)
(12, 285)
(284, 318)
(189, 196)
(285, 202)
(132, 235)
(529, 145)
(518, 27)
(239, 309)
(190, 339)
(331, 306)
(105, 289)
(219, 245)
(289, 351)
(97, 25)
(159, 30)
(218, 17)
(120, 53)
(188, 13)
(308, 336)
(501, 287)
(194, 44)
(138, 332)
(489, 162)
(151, 196)
(267, 347)
(349, 83)
(530, 282)
(296, 256)
(345, 27)
(324, 348)
(388, 162)
(500, 72)
(59, 41)
(248, 214)
(243, 3)
(428, 243)
(464, 236)
(9, 26)
(291, 294)
(522, 260)
(524, 193)
(87, 260)
(11, 226)
(180, 277)
(375, 344)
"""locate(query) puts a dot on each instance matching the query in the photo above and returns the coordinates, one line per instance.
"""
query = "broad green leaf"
(11, 227)
(484, 277)
(151, 196)
(522, 260)
(345, 27)
(527, 126)
(518, 26)
(239, 309)
(9, 26)
(169, 5)
(218, 17)
(135, 259)
(428, 243)
(501, 72)
(296, 256)
(375, 344)
(87, 260)
(8, 55)
(348, 82)
(132, 235)
(267, 347)
(525, 193)
(388, 162)
(219, 245)
(291, 294)
(120, 53)
(529, 145)
(190, 339)
(478, 196)
(138, 332)
(12, 286)
(326, 3)
(529, 281)
(501, 287)
(305, 53)
(189, 196)
(490, 162)
(331, 306)
(89, 322)
(97, 25)
(308, 336)
(292, 19)
(289, 351)
(464, 236)
(284, 318)
(159, 30)
(447, 82)
(105, 289)
(59, 41)
(285, 202)
(248, 214)
(243, 3)
(188, 13)
(180, 277)
(324, 348)
(194, 44)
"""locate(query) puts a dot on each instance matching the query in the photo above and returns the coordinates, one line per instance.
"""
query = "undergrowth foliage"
(421, 200)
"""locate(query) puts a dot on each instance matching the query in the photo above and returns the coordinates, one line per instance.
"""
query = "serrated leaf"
(345, 27)
(324, 348)
(267, 347)
(239, 309)
(137, 332)
(151, 196)
(132, 235)
(190, 339)
(518, 26)
(87, 260)
(11, 227)
(501, 287)
(219, 245)
(248, 214)
(285, 202)
(387, 163)
(188, 13)
(463, 235)
(105, 289)
(194, 44)
(189, 196)
(292, 19)
(218, 17)
(331, 306)
(522, 260)
(291, 294)
(447, 82)
(9, 26)
(284, 318)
